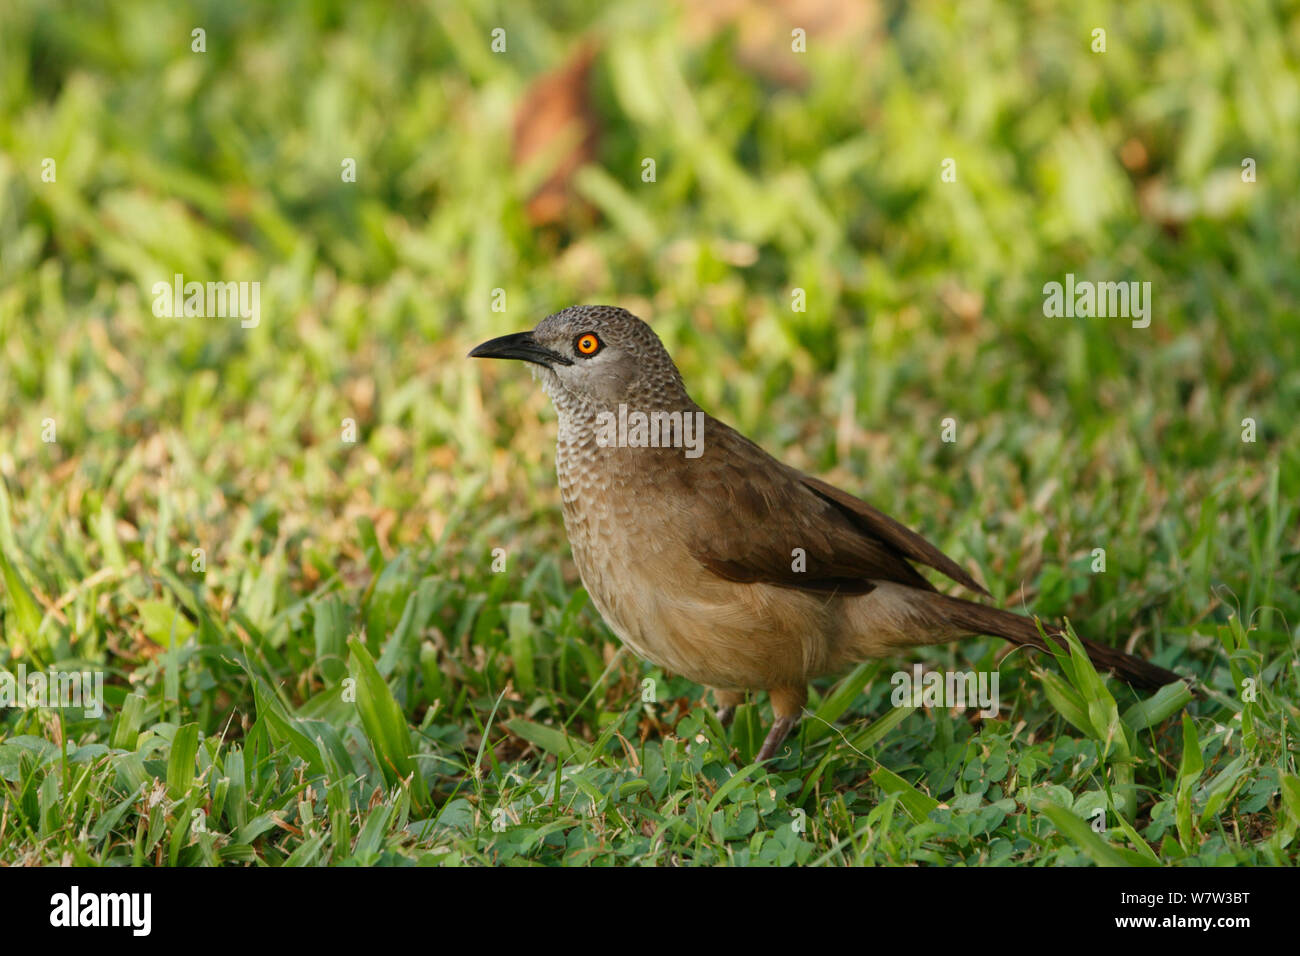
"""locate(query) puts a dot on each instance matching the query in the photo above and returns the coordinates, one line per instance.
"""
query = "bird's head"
(595, 356)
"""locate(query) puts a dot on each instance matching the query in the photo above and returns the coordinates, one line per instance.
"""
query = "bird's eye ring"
(587, 344)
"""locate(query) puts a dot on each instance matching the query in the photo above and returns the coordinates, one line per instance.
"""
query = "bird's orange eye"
(588, 344)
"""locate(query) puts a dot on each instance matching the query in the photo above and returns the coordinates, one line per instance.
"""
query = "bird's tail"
(982, 619)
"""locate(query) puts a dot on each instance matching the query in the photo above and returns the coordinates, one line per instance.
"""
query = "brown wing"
(879, 525)
(846, 544)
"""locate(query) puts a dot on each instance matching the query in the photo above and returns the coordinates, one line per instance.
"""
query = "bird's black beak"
(520, 345)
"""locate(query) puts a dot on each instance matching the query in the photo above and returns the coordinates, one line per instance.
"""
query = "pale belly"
(671, 611)
(668, 610)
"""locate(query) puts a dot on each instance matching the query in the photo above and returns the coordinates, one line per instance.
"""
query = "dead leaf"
(556, 126)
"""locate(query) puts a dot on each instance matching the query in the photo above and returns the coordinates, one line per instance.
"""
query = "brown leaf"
(556, 125)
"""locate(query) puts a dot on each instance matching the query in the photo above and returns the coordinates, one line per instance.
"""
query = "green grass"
(348, 680)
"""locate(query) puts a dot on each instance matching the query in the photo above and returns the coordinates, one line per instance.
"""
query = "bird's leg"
(781, 727)
(727, 701)
(787, 705)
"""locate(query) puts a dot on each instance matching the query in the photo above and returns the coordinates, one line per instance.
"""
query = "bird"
(712, 559)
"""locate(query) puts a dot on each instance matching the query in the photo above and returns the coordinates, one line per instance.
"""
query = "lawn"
(318, 558)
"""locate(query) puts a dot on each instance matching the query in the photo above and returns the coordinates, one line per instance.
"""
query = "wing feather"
(799, 531)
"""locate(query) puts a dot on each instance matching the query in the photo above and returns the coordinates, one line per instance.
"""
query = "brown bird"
(712, 559)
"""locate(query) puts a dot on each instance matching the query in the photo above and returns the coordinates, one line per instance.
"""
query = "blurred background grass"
(521, 171)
